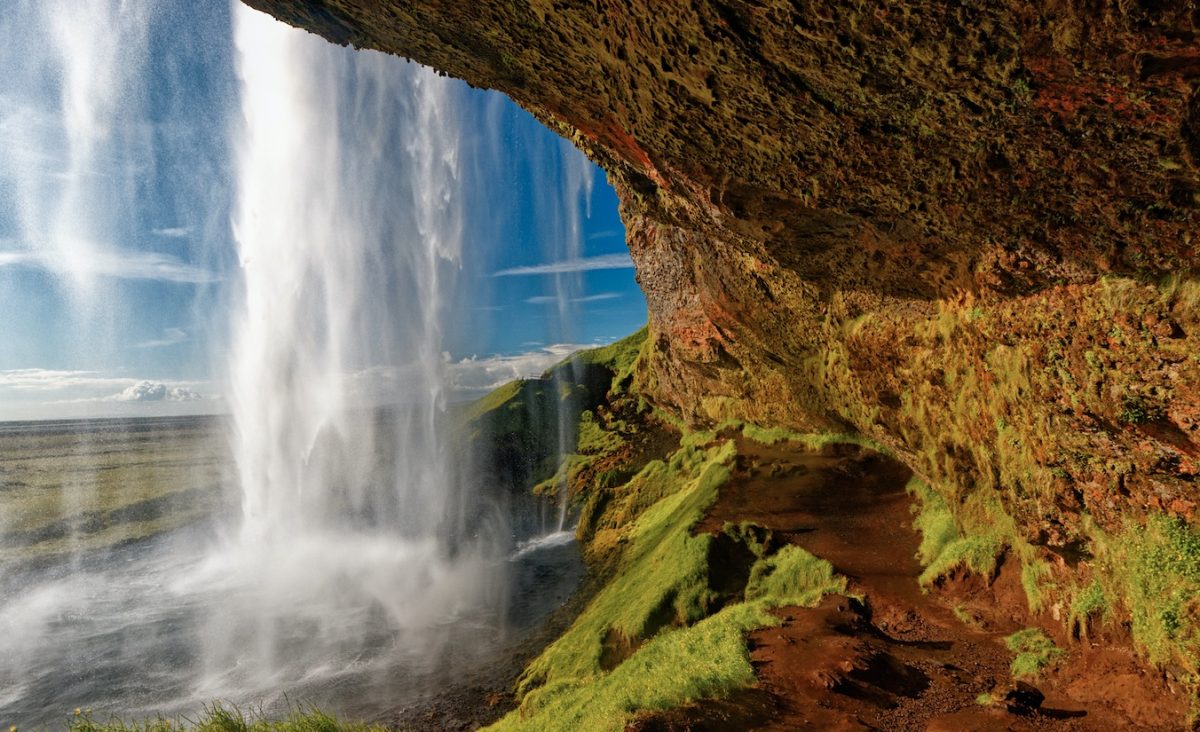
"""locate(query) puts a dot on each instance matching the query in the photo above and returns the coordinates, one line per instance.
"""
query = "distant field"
(76, 486)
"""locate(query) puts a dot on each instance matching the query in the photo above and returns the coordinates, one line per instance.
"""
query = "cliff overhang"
(965, 231)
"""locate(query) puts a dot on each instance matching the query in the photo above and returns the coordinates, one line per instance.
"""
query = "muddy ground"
(888, 655)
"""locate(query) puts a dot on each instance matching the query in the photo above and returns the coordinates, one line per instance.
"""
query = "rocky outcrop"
(968, 231)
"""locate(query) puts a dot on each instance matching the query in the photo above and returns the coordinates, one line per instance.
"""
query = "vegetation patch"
(943, 546)
(662, 578)
(807, 440)
(1153, 571)
(682, 639)
(1090, 602)
(1034, 650)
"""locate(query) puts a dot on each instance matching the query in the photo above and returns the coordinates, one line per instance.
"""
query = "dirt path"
(898, 659)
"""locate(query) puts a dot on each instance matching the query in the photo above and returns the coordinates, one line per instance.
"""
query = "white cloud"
(474, 374)
(468, 377)
(551, 299)
(40, 380)
(127, 265)
(174, 232)
(155, 391)
(62, 394)
(171, 336)
(582, 264)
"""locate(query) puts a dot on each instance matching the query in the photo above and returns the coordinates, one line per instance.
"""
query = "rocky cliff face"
(968, 231)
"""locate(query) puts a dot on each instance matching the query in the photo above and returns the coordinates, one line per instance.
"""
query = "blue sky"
(117, 263)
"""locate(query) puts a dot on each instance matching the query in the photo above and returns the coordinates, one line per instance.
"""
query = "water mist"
(335, 544)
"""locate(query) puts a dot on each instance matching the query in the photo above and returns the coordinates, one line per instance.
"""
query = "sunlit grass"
(659, 603)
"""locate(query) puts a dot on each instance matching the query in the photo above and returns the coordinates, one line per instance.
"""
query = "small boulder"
(1023, 698)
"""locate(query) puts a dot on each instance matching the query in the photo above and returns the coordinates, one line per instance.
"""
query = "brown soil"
(890, 656)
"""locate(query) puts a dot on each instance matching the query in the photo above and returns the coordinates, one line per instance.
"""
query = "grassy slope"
(694, 654)
(677, 642)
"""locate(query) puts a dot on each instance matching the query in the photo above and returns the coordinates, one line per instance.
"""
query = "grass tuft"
(1155, 571)
(1034, 651)
(943, 548)
(1088, 603)
(792, 576)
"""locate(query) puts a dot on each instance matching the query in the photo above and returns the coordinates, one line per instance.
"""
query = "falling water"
(348, 254)
(358, 551)
(576, 186)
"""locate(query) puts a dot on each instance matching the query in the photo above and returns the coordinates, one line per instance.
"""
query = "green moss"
(1034, 651)
(593, 439)
(658, 606)
(1154, 570)
(664, 571)
(933, 520)
(976, 553)
(224, 718)
(754, 537)
(708, 659)
(1034, 580)
(943, 546)
(987, 699)
(808, 440)
(792, 576)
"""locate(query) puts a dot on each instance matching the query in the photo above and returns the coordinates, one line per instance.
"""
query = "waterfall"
(348, 225)
(348, 254)
(304, 233)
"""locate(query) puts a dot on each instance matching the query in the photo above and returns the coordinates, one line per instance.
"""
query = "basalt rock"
(966, 230)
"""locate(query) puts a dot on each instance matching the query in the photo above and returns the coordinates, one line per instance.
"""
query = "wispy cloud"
(176, 232)
(582, 264)
(47, 387)
(125, 265)
(40, 380)
(606, 234)
(171, 336)
(551, 299)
